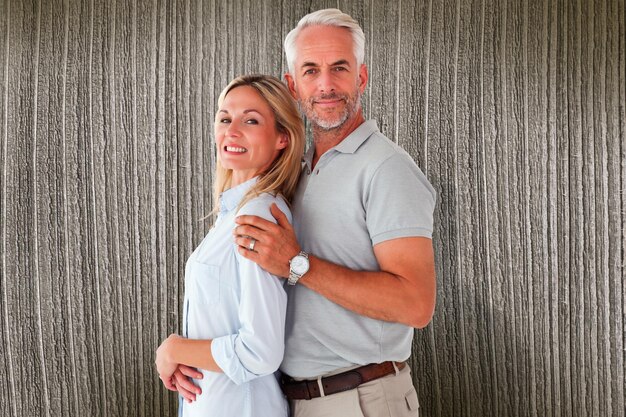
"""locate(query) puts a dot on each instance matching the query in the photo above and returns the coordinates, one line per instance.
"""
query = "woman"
(234, 311)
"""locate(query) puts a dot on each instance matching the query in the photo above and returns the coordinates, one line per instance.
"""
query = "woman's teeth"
(235, 149)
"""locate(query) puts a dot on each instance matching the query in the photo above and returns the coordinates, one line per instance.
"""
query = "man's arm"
(403, 291)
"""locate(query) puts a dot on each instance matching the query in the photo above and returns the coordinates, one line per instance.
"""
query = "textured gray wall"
(514, 109)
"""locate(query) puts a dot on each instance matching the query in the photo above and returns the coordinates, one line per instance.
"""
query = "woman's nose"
(233, 129)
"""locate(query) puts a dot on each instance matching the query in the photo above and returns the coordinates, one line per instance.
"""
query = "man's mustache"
(330, 96)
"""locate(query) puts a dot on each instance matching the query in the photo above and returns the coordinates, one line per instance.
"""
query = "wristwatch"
(298, 266)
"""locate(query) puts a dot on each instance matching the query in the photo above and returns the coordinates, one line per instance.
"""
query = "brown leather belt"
(308, 389)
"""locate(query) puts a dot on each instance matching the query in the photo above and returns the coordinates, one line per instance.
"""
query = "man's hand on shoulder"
(274, 244)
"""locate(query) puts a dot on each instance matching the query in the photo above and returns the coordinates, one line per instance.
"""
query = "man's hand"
(275, 244)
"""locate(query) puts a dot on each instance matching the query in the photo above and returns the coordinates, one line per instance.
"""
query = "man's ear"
(291, 84)
(363, 76)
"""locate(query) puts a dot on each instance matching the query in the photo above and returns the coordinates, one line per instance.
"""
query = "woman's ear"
(283, 141)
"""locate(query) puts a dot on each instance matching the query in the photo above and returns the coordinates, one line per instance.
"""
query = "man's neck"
(326, 139)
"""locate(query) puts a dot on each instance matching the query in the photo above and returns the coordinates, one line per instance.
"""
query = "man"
(360, 260)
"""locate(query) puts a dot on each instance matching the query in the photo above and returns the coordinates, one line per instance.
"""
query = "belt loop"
(321, 387)
(395, 367)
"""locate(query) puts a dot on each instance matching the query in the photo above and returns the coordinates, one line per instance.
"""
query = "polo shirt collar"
(350, 144)
(231, 198)
(355, 139)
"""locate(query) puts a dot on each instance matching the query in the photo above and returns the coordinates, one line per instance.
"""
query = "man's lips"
(328, 103)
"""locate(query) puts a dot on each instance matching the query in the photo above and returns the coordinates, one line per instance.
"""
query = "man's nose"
(325, 82)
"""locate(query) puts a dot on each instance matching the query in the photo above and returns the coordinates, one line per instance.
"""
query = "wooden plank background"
(515, 110)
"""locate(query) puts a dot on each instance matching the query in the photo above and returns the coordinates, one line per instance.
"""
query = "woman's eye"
(252, 122)
(224, 120)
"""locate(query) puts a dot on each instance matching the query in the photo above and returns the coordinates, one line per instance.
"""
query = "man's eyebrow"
(313, 64)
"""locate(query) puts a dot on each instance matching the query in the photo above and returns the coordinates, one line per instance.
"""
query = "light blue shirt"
(242, 308)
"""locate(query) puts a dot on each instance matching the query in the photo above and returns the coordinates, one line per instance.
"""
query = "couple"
(358, 260)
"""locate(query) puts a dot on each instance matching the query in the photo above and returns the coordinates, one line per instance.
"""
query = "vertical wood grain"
(382, 88)
(51, 222)
(617, 129)
(166, 283)
(21, 251)
(537, 121)
(7, 372)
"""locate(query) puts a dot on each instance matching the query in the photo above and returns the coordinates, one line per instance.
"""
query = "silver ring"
(252, 243)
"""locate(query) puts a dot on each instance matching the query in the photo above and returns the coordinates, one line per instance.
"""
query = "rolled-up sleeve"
(258, 346)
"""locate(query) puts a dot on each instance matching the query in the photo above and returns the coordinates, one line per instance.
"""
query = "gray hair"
(326, 17)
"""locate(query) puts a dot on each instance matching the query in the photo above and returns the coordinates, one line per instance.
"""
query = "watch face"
(299, 265)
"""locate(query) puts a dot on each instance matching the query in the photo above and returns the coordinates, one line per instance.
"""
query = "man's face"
(326, 81)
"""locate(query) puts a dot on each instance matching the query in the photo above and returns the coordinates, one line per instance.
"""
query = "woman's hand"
(182, 381)
(164, 364)
(178, 360)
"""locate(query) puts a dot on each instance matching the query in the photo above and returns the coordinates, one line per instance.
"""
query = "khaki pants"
(389, 396)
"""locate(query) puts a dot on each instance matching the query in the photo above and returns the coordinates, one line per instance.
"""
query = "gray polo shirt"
(364, 191)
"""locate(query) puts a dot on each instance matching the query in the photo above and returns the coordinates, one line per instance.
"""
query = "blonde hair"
(326, 17)
(282, 175)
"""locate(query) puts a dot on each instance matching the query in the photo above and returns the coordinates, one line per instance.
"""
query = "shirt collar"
(231, 198)
(350, 143)
(355, 139)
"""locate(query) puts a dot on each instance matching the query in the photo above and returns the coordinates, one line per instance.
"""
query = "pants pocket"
(412, 402)
(401, 395)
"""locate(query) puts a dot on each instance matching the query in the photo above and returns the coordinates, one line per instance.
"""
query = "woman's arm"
(176, 350)
(257, 347)
(176, 359)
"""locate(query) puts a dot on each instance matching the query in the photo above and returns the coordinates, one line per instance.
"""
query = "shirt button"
(317, 172)
(308, 171)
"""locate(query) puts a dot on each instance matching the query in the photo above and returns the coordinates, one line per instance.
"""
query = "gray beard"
(352, 107)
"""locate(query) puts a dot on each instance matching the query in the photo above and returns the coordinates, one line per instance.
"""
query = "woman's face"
(246, 135)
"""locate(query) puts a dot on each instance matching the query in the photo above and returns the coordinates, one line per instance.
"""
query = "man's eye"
(340, 69)
(309, 71)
